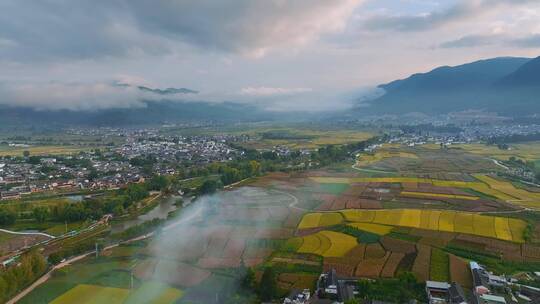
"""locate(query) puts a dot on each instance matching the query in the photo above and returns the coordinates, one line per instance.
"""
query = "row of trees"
(14, 278)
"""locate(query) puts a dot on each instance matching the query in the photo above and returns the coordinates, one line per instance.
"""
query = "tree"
(268, 287)
(209, 187)
(248, 281)
(7, 217)
(40, 214)
(159, 183)
(26, 153)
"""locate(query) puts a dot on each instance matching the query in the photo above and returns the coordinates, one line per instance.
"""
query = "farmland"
(363, 224)
(508, 229)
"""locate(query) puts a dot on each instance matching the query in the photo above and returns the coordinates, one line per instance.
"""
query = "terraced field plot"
(487, 185)
(508, 229)
(427, 159)
(90, 294)
(327, 244)
(368, 159)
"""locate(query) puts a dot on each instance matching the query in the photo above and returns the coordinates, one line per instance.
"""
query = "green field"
(92, 294)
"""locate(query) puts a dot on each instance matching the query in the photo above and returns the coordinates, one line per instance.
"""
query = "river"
(160, 211)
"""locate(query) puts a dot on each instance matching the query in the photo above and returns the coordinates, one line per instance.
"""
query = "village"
(143, 154)
(488, 288)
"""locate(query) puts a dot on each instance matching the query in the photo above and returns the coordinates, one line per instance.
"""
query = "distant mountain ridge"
(526, 75)
(153, 113)
(168, 91)
(508, 85)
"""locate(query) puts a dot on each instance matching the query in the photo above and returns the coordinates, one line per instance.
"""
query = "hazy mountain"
(526, 75)
(506, 85)
(155, 112)
(168, 91)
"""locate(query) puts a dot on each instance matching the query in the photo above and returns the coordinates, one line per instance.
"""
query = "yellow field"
(514, 195)
(424, 194)
(330, 219)
(328, 244)
(43, 150)
(319, 219)
(367, 159)
(448, 221)
(310, 220)
(313, 138)
(526, 151)
(373, 228)
(499, 189)
(154, 293)
(92, 294)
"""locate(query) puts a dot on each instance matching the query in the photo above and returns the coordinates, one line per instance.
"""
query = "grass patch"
(362, 236)
(404, 236)
(440, 266)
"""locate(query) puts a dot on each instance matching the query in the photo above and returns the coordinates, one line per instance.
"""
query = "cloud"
(472, 41)
(249, 27)
(268, 91)
(77, 29)
(422, 22)
(500, 39)
(531, 41)
(122, 93)
(463, 10)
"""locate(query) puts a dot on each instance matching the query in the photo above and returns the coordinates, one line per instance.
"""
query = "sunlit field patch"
(328, 244)
(447, 221)
(90, 294)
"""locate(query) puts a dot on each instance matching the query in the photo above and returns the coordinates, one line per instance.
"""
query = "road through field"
(44, 278)
(28, 233)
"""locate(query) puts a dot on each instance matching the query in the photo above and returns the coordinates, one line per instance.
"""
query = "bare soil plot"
(460, 271)
(391, 265)
(422, 263)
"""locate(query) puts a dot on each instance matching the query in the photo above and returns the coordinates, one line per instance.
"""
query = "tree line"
(30, 266)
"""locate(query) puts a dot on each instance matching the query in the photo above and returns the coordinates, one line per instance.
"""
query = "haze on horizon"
(285, 55)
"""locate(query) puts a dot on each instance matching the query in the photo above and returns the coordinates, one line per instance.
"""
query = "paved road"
(48, 275)
(28, 233)
(44, 278)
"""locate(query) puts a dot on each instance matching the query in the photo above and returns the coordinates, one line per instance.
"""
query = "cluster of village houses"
(488, 288)
(109, 169)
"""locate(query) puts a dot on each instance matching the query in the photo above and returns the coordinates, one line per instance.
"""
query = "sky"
(312, 55)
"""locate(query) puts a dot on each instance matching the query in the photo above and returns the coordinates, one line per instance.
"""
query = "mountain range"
(507, 85)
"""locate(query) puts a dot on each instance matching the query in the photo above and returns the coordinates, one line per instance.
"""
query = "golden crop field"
(525, 151)
(90, 294)
(43, 150)
(313, 220)
(502, 190)
(328, 244)
(517, 196)
(368, 159)
(426, 194)
(448, 221)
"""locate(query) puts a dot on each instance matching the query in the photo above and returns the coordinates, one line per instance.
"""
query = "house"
(345, 292)
(456, 294)
(329, 282)
(9, 195)
(480, 279)
(437, 292)
(444, 293)
(491, 299)
(298, 297)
